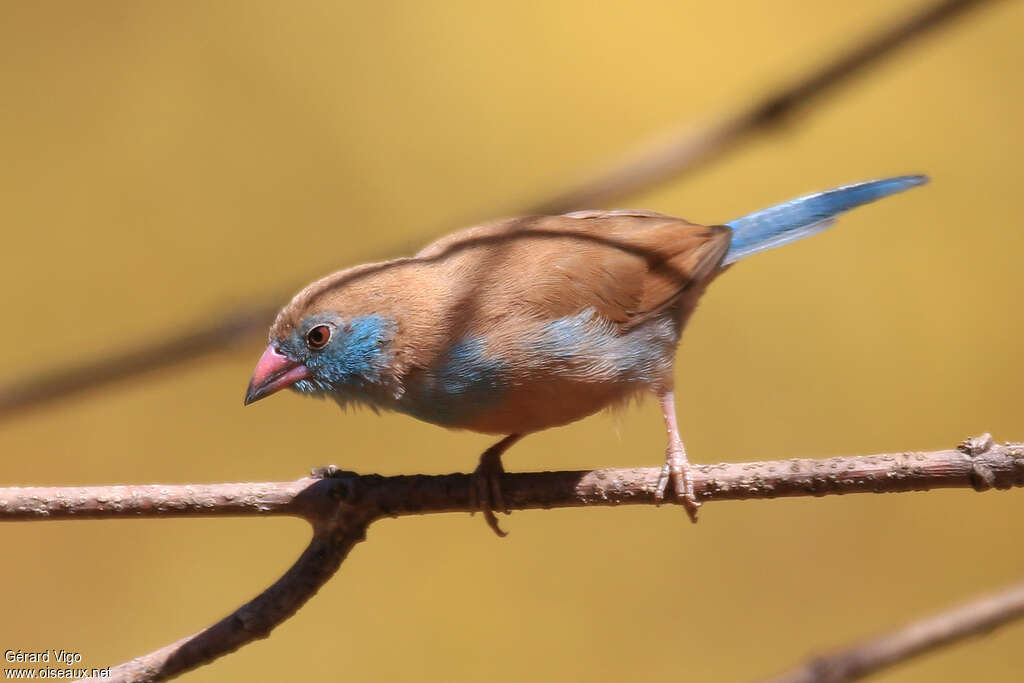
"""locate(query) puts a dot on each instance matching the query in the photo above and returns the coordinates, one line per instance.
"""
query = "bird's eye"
(318, 337)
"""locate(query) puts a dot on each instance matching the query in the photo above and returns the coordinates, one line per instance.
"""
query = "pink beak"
(274, 371)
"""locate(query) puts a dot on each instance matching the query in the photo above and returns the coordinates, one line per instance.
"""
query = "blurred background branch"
(976, 617)
(341, 507)
(645, 169)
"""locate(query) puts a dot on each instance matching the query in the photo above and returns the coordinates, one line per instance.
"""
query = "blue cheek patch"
(465, 383)
(353, 359)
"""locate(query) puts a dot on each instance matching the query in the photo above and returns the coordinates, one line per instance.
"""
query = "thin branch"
(645, 169)
(341, 506)
(257, 618)
(978, 463)
(977, 617)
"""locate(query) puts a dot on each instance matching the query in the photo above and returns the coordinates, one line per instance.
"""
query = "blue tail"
(808, 215)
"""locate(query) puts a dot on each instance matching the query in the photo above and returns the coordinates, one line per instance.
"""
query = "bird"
(523, 324)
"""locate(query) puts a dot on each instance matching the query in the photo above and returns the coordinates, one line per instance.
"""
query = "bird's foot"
(485, 493)
(677, 472)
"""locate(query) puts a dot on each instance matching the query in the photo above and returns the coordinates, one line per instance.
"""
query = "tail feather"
(808, 215)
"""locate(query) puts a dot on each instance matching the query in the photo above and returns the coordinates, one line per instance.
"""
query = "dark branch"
(976, 617)
(644, 170)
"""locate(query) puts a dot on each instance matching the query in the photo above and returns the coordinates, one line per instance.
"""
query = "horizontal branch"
(342, 504)
(979, 463)
(646, 168)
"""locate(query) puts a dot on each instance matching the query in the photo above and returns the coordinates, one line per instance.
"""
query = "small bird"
(522, 324)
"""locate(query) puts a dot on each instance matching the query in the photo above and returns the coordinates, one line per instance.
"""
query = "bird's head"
(320, 351)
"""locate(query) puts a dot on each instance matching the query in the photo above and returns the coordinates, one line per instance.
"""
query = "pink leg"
(486, 491)
(677, 467)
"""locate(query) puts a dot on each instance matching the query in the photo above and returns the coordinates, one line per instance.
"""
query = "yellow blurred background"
(167, 160)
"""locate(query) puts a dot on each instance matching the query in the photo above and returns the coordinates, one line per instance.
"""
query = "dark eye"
(318, 337)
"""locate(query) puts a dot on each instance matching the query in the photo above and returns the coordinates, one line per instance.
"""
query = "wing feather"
(627, 265)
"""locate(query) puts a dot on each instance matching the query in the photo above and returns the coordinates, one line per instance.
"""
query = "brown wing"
(627, 265)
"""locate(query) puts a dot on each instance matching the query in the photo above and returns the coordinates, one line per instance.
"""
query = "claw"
(485, 492)
(677, 468)
(486, 497)
(677, 472)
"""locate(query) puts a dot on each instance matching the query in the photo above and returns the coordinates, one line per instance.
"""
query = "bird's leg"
(486, 490)
(677, 467)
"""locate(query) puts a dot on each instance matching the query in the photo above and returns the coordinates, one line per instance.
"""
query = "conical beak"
(274, 371)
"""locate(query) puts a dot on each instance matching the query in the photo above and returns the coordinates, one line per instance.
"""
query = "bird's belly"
(519, 408)
(561, 372)
(551, 403)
